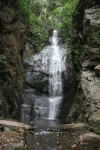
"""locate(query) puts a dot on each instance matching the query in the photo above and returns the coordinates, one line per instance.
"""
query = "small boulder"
(73, 146)
(97, 70)
(21, 130)
(6, 129)
(31, 123)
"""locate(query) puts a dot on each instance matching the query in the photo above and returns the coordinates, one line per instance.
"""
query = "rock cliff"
(86, 106)
(12, 44)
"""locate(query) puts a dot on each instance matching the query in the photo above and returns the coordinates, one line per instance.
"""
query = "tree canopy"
(40, 16)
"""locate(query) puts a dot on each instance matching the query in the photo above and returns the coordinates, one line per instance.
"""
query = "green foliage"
(38, 37)
(24, 11)
(2, 128)
(62, 20)
(41, 16)
(26, 129)
(52, 6)
(94, 40)
(74, 48)
(86, 49)
(33, 15)
(63, 15)
(36, 8)
(98, 132)
(26, 148)
(2, 62)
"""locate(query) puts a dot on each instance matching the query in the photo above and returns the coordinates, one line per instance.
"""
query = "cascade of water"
(47, 65)
(55, 82)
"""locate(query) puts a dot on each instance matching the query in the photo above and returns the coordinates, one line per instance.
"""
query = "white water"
(48, 61)
(55, 82)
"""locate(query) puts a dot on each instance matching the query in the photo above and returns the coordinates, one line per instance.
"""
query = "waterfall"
(42, 94)
(55, 82)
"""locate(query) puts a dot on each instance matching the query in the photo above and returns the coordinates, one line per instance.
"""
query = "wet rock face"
(37, 71)
(69, 86)
(12, 42)
(34, 96)
(37, 79)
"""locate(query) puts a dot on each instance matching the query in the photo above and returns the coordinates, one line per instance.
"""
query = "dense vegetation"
(35, 16)
(42, 16)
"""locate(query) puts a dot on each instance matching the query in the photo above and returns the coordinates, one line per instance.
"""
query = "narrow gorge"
(50, 73)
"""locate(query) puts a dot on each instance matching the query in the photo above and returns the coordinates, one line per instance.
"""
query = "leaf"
(59, 147)
(26, 129)
(57, 143)
(37, 143)
(73, 146)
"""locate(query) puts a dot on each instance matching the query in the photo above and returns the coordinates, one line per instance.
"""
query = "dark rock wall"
(12, 44)
(69, 86)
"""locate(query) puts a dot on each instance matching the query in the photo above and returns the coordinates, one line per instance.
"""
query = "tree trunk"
(46, 11)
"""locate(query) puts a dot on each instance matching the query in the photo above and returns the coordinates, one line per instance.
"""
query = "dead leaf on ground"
(37, 143)
(59, 147)
(57, 142)
(81, 137)
(73, 146)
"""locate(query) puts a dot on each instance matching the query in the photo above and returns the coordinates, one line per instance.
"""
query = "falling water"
(42, 95)
(55, 82)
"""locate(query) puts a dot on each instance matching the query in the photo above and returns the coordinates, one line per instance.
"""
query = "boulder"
(89, 64)
(95, 50)
(91, 137)
(15, 146)
(37, 80)
(94, 118)
(12, 125)
(73, 126)
(97, 70)
(6, 129)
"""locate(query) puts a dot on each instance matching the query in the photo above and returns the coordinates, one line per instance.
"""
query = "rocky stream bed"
(18, 136)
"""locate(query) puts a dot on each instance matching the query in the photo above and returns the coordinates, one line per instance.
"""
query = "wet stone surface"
(62, 140)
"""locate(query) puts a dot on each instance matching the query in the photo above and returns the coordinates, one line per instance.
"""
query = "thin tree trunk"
(40, 15)
(30, 4)
(46, 11)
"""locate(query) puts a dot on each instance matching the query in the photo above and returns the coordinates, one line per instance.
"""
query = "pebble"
(21, 130)
(6, 129)
(73, 146)
(32, 123)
